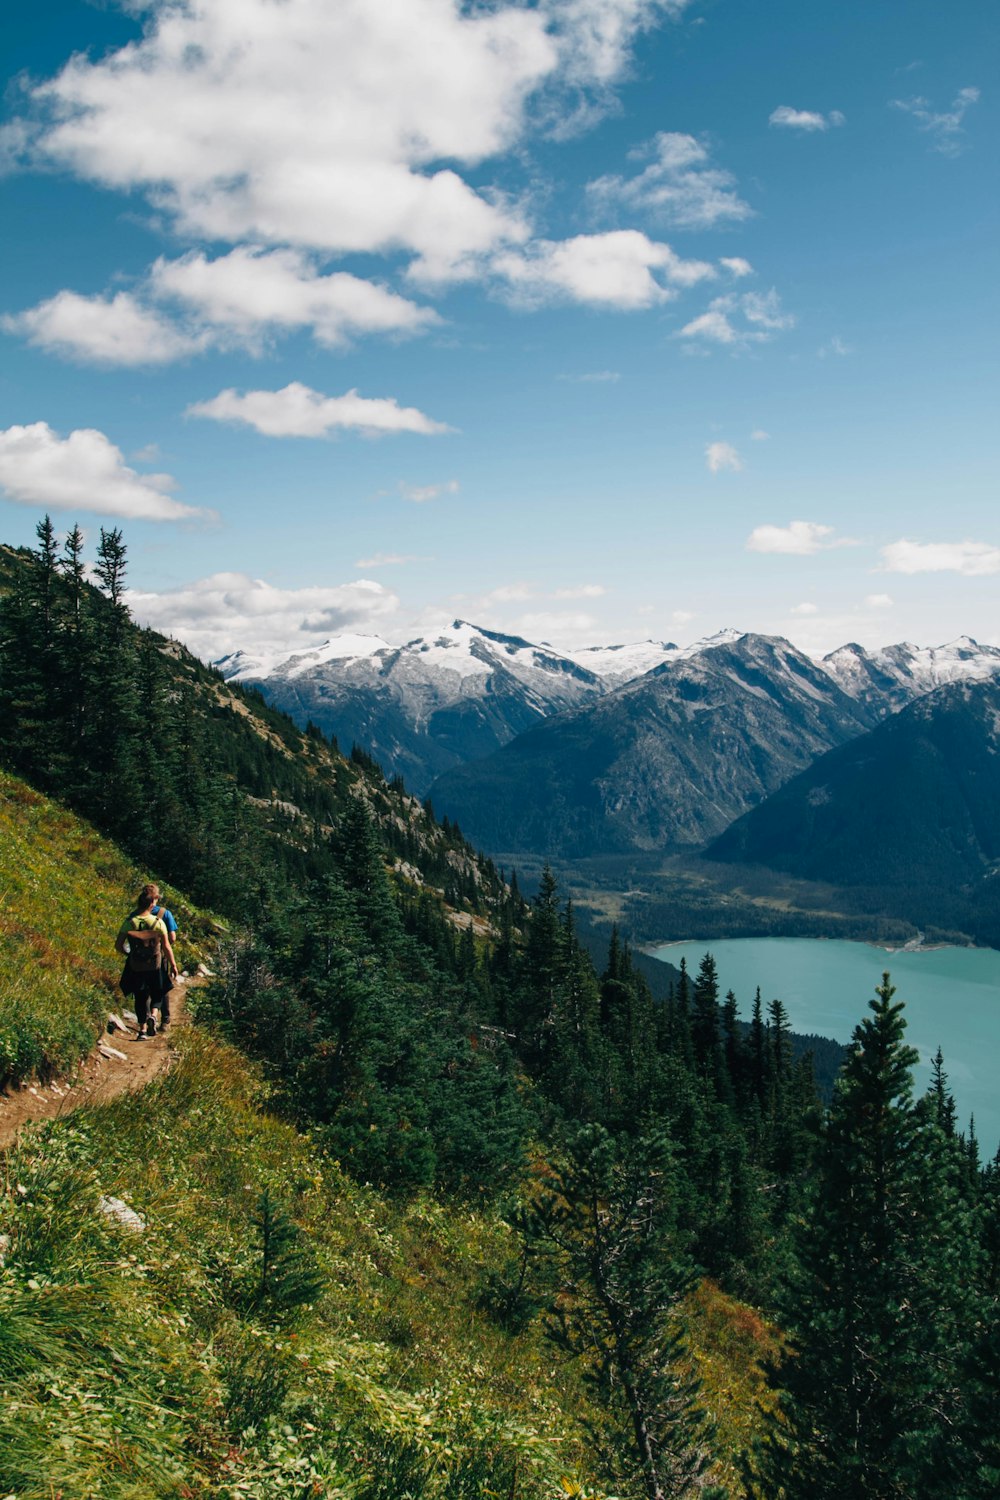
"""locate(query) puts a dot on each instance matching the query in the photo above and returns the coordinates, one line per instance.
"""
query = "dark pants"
(147, 991)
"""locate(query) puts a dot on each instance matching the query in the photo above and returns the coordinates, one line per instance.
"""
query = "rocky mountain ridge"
(666, 761)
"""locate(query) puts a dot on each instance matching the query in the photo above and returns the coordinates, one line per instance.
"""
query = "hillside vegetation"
(492, 1235)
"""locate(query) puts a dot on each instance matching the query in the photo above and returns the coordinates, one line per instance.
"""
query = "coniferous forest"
(435, 1033)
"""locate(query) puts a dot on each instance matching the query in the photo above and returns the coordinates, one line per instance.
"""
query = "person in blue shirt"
(167, 917)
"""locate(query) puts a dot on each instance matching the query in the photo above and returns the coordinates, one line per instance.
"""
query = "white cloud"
(878, 601)
(804, 119)
(419, 494)
(593, 377)
(622, 269)
(231, 611)
(84, 471)
(388, 560)
(583, 591)
(739, 320)
(297, 411)
(835, 346)
(326, 125)
(239, 298)
(108, 331)
(566, 628)
(251, 290)
(973, 559)
(722, 456)
(945, 126)
(595, 35)
(678, 186)
(760, 436)
(736, 265)
(804, 609)
(681, 616)
(508, 593)
(800, 538)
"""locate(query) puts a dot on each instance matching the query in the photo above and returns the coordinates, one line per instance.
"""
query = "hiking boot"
(150, 1027)
(141, 1037)
(164, 1024)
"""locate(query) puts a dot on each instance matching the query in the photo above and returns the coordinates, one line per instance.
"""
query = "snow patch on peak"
(619, 664)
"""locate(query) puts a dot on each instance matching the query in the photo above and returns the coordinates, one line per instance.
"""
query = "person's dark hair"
(148, 896)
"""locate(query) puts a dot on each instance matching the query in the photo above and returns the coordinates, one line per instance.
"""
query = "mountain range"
(912, 809)
(643, 746)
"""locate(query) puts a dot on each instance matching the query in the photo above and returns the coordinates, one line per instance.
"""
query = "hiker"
(150, 967)
(159, 910)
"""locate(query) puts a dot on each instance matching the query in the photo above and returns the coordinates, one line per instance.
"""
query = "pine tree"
(878, 1315)
(606, 1215)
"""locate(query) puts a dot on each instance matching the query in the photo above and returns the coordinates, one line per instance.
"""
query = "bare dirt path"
(117, 1065)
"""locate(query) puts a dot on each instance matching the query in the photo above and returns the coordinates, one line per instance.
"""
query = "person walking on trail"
(150, 967)
(159, 910)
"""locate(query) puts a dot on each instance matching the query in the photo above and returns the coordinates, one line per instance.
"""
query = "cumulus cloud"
(419, 494)
(736, 266)
(252, 290)
(973, 559)
(760, 436)
(237, 299)
(721, 457)
(326, 126)
(582, 591)
(808, 120)
(834, 346)
(297, 411)
(681, 616)
(116, 330)
(595, 35)
(678, 186)
(230, 611)
(622, 269)
(946, 127)
(738, 321)
(804, 609)
(84, 471)
(878, 601)
(799, 538)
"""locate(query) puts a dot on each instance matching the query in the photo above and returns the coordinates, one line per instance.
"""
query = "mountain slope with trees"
(908, 817)
(666, 761)
(492, 1230)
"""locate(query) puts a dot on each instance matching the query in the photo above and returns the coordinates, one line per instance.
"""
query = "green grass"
(140, 1366)
(64, 891)
(130, 1367)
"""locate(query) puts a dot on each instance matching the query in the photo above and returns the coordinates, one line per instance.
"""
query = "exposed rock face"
(665, 761)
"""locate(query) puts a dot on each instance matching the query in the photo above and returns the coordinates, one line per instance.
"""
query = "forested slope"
(490, 1234)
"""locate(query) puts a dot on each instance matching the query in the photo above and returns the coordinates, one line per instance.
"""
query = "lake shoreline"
(951, 994)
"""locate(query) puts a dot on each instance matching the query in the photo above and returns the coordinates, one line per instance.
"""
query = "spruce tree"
(878, 1312)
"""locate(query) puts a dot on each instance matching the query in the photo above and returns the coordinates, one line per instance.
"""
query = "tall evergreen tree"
(878, 1315)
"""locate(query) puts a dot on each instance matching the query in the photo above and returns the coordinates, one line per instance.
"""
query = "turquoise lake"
(952, 998)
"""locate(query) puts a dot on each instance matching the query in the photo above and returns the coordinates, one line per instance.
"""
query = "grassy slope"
(131, 1363)
(63, 891)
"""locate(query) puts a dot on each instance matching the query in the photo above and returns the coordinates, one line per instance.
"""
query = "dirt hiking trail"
(117, 1064)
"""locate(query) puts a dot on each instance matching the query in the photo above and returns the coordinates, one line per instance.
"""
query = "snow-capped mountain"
(458, 694)
(666, 760)
(893, 676)
(438, 701)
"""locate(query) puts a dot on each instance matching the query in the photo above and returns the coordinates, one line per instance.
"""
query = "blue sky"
(588, 321)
